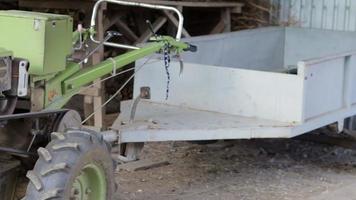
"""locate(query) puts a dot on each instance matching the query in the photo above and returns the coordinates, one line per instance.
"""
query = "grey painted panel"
(269, 49)
(252, 49)
(304, 44)
(324, 88)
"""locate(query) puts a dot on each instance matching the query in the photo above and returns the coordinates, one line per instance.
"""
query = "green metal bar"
(61, 101)
(70, 70)
(72, 79)
(90, 74)
(54, 88)
(72, 84)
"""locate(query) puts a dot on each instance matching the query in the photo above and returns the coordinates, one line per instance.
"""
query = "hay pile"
(256, 13)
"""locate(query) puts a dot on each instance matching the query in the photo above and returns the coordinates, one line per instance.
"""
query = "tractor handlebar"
(137, 4)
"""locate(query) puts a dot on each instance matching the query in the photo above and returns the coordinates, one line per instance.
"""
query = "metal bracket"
(145, 93)
(22, 86)
(113, 73)
(109, 35)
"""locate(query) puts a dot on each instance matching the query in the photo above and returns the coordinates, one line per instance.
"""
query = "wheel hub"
(90, 184)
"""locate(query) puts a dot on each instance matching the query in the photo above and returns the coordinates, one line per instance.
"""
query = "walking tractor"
(37, 78)
(275, 82)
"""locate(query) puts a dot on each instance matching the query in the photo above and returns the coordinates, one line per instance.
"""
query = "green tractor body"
(45, 40)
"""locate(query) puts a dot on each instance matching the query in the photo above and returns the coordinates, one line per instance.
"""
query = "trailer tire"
(74, 165)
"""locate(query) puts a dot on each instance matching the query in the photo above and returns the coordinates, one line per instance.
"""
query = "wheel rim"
(90, 184)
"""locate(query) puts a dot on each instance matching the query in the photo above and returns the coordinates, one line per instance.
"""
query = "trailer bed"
(264, 83)
(163, 122)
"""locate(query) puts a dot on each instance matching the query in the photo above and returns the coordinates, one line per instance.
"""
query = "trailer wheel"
(75, 165)
(350, 126)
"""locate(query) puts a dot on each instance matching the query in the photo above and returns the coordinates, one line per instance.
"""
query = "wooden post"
(226, 17)
(93, 102)
(224, 24)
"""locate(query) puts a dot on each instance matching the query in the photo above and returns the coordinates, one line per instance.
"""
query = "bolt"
(76, 192)
(88, 191)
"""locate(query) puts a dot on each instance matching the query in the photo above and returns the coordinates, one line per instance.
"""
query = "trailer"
(276, 82)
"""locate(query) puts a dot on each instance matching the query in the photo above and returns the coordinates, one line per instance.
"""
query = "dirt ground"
(264, 169)
(274, 169)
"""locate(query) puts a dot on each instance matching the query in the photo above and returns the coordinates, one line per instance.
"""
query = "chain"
(167, 61)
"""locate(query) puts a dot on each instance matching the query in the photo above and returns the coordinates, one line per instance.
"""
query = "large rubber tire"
(75, 165)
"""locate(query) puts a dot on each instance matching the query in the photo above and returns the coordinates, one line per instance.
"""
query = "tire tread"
(34, 180)
(58, 162)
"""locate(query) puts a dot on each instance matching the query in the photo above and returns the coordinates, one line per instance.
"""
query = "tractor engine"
(34, 48)
(13, 81)
(8, 94)
(13, 84)
(5, 71)
(40, 44)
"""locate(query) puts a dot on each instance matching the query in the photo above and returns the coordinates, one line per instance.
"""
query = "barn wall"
(325, 14)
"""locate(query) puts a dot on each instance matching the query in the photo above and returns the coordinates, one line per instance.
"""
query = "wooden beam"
(111, 20)
(156, 25)
(88, 109)
(92, 91)
(63, 4)
(125, 30)
(174, 20)
(92, 103)
(80, 4)
(88, 4)
(97, 58)
(226, 17)
(195, 4)
(219, 28)
(141, 165)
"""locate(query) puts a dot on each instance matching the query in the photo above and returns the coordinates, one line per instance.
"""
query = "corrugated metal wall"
(325, 14)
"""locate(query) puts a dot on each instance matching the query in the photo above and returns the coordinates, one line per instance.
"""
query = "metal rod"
(107, 38)
(43, 113)
(16, 151)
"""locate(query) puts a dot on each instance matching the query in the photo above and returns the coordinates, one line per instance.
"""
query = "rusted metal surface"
(17, 131)
(9, 170)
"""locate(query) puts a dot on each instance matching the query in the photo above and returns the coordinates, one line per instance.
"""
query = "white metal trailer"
(265, 83)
